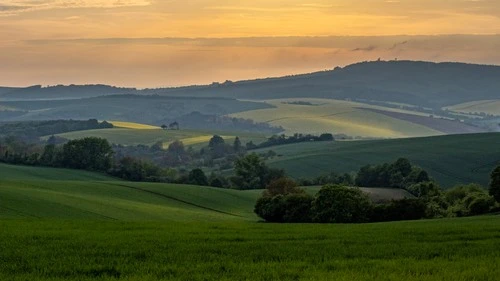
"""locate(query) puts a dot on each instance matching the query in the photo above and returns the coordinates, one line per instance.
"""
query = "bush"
(399, 210)
(291, 208)
(339, 204)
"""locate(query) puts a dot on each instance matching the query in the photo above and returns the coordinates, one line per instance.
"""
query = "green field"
(136, 136)
(447, 249)
(27, 192)
(335, 116)
(32, 192)
(449, 159)
(59, 224)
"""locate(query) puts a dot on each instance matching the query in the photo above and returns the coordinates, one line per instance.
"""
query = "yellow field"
(130, 125)
(484, 106)
(335, 116)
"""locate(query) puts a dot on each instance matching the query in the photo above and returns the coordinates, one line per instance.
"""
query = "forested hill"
(423, 84)
(418, 83)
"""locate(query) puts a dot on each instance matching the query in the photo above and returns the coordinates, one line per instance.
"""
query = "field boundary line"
(177, 199)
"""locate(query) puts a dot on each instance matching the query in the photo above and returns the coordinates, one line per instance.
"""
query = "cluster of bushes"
(284, 202)
(346, 179)
(400, 174)
(283, 139)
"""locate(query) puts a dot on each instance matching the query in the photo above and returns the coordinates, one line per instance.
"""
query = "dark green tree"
(339, 204)
(495, 184)
(198, 177)
(90, 153)
(237, 145)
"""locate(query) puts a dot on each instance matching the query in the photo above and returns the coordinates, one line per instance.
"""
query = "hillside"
(448, 159)
(417, 83)
(32, 192)
(318, 116)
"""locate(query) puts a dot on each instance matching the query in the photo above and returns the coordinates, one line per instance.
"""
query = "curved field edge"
(446, 249)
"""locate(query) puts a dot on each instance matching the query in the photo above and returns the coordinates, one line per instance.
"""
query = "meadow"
(450, 159)
(48, 193)
(447, 249)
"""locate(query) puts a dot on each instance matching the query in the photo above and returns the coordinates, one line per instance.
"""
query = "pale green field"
(485, 106)
(131, 136)
(335, 116)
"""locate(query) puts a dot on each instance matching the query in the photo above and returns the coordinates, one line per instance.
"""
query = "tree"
(250, 171)
(291, 208)
(237, 145)
(197, 177)
(215, 141)
(495, 184)
(339, 204)
(283, 186)
(87, 154)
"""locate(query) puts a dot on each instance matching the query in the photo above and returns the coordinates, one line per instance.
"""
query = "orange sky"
(66, 41)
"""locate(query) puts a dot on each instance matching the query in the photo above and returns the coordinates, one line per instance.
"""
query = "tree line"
(32, 130)
(284, 202)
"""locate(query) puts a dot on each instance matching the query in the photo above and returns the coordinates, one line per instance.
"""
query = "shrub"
(339, 204)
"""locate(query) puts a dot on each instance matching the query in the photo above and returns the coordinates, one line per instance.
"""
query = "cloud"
(17, 6)
(365, 49)
(397, 45)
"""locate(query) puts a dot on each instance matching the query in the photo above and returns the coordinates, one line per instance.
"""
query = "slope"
(68, 194)
(449, 159)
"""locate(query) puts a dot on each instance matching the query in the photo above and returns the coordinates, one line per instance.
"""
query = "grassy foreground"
(451, 249)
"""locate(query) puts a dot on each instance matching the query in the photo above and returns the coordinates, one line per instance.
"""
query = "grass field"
(335, 116)
(447, 249)
(485, 106)
(27, 192)
(449, 159)
(32, 192)
(142, 135)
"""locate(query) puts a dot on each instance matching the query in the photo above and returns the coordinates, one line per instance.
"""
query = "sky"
(159, 43)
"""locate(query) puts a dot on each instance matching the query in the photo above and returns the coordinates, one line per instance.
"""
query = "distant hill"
(418, 83)
(62, 92)
(411, 82)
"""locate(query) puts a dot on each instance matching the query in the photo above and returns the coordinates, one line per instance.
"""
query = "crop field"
(136, 136)
(130, 125)
(338, 117)
(447, 249)
(486, 106)
(449, 159)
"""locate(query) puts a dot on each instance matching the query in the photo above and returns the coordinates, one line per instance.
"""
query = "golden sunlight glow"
(64, 41)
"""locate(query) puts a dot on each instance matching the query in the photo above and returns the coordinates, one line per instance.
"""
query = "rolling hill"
(33, 192)
(424, 84)
(318, 116)
(449, 159)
